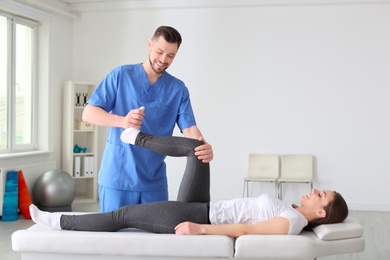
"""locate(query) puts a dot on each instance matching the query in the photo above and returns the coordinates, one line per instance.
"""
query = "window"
(17, 82)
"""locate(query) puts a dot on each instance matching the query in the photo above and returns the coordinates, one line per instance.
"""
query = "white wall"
(60, 63)
(269, 79)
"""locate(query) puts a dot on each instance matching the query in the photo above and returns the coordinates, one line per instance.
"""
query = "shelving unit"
(79, 141)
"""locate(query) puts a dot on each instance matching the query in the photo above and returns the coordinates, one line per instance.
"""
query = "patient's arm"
(274, 226)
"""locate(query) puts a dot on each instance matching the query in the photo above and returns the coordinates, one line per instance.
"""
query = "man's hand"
(204, 151)
(133, 119)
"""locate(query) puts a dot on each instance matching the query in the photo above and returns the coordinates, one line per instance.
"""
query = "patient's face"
(317, 199)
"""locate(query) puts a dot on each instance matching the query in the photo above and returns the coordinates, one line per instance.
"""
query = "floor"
(376, 233)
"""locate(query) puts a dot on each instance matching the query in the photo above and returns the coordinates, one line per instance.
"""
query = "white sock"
(129, 135)
(44, 218)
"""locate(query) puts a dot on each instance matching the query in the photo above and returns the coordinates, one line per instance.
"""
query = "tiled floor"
(6, 230)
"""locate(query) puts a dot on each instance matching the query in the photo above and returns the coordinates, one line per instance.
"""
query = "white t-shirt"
(253, 210)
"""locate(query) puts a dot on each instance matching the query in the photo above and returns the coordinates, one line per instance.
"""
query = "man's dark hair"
(170, 34)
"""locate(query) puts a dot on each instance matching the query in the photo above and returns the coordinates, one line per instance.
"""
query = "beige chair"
(262, 168)
(295, 168)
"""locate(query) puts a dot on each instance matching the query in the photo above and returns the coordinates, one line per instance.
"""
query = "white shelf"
(86, 184)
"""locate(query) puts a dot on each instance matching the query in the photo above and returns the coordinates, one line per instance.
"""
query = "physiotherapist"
(130, 174)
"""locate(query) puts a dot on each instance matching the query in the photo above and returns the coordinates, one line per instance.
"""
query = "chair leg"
(280, 186)
(246, 187)
(276, 190)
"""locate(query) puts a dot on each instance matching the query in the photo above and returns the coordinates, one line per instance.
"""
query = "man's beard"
(156, 71)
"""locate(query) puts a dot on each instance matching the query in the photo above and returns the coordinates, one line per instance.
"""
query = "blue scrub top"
(166, 102)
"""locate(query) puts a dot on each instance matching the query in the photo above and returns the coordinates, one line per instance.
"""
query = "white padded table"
(39, 243)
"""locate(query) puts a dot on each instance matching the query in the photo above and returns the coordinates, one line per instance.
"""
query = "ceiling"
(72, 7)
(94, 1)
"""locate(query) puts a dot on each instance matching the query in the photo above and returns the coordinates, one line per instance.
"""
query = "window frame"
(11, 145)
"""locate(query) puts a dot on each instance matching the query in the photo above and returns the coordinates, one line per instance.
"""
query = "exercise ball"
(53, 191)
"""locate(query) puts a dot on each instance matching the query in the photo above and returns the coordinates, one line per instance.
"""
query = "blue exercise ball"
(54, 189)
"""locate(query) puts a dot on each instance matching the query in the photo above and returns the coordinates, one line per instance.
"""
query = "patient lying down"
(194, 214)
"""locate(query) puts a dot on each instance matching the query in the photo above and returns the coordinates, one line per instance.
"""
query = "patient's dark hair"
(170, 34)
(336, 211)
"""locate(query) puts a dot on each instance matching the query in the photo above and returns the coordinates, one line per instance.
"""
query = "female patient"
(193, 214)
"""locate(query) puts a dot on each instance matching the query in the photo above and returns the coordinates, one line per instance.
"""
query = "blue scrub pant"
(118, 198)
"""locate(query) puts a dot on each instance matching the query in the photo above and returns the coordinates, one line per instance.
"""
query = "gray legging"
(158, 217)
